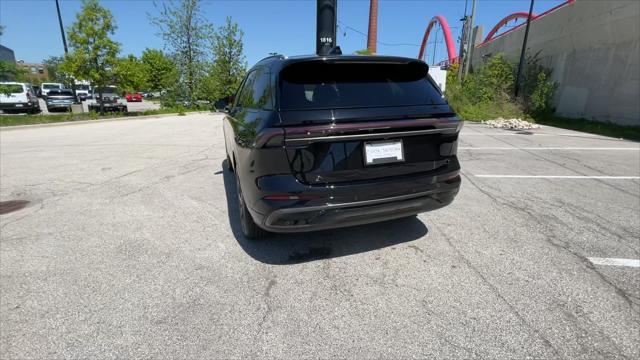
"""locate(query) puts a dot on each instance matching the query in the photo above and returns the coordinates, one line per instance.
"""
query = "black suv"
(109, 100)
(326, 142)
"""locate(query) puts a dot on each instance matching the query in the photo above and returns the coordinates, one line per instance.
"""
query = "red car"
(133, 97)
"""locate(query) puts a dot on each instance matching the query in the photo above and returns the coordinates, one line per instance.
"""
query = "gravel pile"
(511, 124)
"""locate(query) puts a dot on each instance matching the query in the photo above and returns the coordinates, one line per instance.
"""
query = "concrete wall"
(593, 48)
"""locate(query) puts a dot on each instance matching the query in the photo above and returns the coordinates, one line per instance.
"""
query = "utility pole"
(66, 50)
(435, 44)
(524, 50)
(469, 40)
(461, 52)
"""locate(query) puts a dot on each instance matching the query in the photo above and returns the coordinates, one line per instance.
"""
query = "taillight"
(273, 137)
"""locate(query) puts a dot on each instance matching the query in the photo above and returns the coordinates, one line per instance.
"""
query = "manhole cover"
(12, 205)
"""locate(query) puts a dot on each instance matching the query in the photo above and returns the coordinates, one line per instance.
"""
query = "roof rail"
(279, 56)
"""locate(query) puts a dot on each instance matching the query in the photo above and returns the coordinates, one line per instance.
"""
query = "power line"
(347, 27)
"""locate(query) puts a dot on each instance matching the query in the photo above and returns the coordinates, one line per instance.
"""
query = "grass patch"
(489, 111)
(13, 120)
(592, 127)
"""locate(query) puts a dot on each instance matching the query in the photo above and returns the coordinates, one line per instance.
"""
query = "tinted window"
(257, 92)
(61, 93)
(82, 87)
(12, 88)
(322, 85)
(107, 90)
(245, 96)
(50, 86)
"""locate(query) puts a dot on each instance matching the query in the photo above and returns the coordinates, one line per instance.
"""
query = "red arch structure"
(520, 15)
(451, 49)
(501, 23)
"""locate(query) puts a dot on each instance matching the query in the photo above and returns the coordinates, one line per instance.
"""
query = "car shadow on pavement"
(283, 249)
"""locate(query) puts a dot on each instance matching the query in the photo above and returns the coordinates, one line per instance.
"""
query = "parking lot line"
(549, 148)
(582, 135)
(560, 177)
(615, 262)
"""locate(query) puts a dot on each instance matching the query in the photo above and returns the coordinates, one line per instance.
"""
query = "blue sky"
(283, 26)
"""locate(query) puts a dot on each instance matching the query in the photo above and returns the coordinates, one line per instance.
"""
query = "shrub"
(541, 98)
(487, 92)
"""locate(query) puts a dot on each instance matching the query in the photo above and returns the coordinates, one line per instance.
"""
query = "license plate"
(383, 152)
(18, 105)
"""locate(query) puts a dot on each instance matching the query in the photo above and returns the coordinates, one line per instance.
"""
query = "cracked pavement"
(130, 248)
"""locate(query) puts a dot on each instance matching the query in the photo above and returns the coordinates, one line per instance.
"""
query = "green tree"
(364, 52)
(129, 74)
(9, 71)
(160, 71)
(186, 32)
(93, 55)
(52, 63)
(229, 64)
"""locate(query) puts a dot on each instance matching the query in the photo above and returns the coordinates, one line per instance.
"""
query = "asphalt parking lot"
(129, 247)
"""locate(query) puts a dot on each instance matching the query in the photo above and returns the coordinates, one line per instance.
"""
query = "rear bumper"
(356, 213)
(350, 205)
(108, 107)
(18, 106)
(58, 106)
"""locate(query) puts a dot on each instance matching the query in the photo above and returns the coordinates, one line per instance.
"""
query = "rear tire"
(249, 227)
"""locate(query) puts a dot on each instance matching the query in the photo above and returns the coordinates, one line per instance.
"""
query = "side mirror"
(229, 102)
(220, 105)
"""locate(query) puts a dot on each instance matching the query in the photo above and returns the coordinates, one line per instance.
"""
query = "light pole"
(524, 50)
(469, 35)
(435, 44)
(326, 21)
(66, 50)
(461, 52)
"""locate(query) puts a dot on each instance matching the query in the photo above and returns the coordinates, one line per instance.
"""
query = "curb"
(97, 121)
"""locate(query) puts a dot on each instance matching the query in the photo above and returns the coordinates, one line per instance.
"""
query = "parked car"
(46, 87)
(110, 100)
(326, 142)
(83, 91)
(60, 99)
(18, 97)
(133, 97)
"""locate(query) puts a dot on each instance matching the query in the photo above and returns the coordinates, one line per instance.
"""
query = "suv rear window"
(12, 88)
(50, 86)
(107, 90)
(323, 85)
(61, 93)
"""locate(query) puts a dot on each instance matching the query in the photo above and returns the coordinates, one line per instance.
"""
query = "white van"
(83, 90)
(45, 87)
(18, 97)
